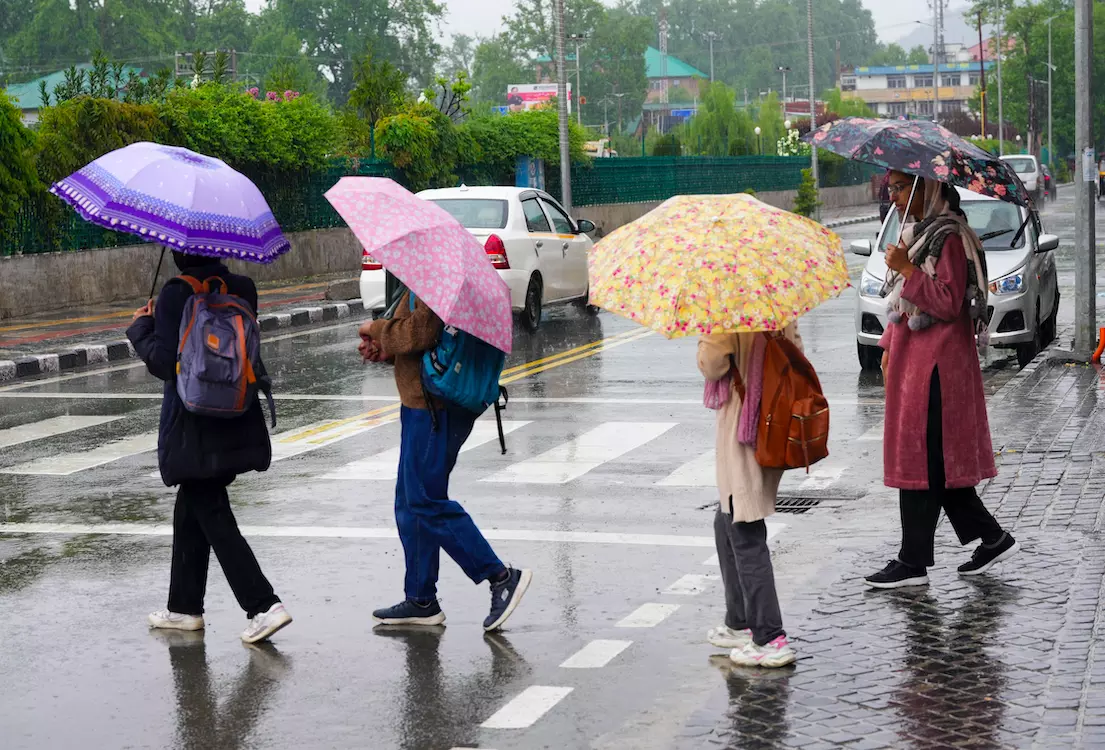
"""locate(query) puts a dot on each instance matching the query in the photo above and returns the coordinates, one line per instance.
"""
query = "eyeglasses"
(897, 187)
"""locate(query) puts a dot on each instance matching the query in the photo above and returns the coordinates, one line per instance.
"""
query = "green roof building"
(28, 97)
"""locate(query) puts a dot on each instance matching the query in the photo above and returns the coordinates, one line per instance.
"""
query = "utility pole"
(784, 69)
(711, 37)
(664, 56)
(1050, 68)
(937, 49)
(1000, 52)
(562, 111)
(813, 95)
(1085, 261)
(982, 72)
(578, 38)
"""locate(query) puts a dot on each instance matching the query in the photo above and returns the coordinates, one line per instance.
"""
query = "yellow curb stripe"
(576, 358)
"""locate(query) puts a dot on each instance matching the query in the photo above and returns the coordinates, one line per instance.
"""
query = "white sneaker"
(167, 620)
(262, 626)
(724, 636)
(778, 653)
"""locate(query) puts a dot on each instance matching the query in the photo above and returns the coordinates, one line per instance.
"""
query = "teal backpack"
(465, 371)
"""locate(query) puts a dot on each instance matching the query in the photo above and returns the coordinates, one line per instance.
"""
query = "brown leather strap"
(738, 381)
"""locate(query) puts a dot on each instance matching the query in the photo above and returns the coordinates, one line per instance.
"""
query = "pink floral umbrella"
(429, 251)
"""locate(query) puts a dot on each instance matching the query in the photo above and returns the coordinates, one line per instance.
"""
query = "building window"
(922, 82)
(950, 106)
(895, 82)
(655, 84)
(897, 108)
(923, 107)
(676, 82)
(973, 79)
(950, 80)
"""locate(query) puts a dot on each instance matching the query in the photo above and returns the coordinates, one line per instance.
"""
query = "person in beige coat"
(753, 626)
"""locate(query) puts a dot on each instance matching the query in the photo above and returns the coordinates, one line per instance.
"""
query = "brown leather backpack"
(794, 413)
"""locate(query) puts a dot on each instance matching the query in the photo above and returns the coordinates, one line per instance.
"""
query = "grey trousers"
(750, 598)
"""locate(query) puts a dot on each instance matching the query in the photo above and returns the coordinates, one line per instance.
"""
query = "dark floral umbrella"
(922, 148)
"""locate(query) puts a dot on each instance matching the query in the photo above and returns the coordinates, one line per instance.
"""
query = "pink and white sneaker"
(776, 654)
(724, 636)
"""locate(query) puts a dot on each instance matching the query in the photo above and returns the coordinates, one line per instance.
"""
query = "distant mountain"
(956, 29)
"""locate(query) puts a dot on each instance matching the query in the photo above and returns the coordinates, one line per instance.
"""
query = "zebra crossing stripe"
(71, 463)
(382, 466)
(45, 428)
(320, 434)
(700, 471)
(585, 453)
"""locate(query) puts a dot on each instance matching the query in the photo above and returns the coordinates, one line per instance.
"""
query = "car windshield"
(1022, 166)
(476, 213)
(985, 217)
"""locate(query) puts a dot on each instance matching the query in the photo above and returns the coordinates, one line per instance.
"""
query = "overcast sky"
(893, 18)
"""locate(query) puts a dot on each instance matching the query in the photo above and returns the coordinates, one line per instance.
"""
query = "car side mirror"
(1048, 242)
(860, 247)
(585, 226)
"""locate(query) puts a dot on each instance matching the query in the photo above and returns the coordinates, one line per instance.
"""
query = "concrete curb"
(114, 351)
(847, 222)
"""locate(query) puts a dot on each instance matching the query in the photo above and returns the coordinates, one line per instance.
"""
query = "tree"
(496, 66)
(449, 95)
(719, 128)
(459, 56)
(843, 106)
(532, 27)
(380, 92)
(806, 202)
(18, 181)
(918, 56)
(890, 54)
(614, 62)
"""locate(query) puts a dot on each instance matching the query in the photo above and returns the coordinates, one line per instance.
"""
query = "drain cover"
(795, 504)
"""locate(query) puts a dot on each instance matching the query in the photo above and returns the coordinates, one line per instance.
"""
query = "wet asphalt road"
(606, 492)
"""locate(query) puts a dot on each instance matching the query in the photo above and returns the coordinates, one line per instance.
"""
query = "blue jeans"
(428, 520)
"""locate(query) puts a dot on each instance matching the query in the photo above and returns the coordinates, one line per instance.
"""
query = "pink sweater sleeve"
(941, 297)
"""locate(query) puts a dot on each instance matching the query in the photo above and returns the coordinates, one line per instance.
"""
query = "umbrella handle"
(905, 214)
(153, 287)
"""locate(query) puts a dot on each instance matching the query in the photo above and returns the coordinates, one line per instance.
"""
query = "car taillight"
(496, 252)
(368, 263)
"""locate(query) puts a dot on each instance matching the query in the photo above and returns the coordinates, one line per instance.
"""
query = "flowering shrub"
(790, 145)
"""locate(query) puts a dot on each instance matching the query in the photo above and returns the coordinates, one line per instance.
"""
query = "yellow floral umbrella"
(712, 263)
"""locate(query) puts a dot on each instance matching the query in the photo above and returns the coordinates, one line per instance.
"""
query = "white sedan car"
(540, 251)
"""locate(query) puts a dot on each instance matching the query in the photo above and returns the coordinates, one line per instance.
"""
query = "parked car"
(1024, 289)
(1028, 169)
(539, 251)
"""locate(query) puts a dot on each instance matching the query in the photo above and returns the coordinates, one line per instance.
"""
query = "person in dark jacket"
(203, 455)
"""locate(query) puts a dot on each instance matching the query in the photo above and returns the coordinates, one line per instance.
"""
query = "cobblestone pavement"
(1009, 660)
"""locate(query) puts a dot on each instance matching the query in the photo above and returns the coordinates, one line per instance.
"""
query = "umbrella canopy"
(429, 251)
(177, 198)
(922, 148)
(716, 263)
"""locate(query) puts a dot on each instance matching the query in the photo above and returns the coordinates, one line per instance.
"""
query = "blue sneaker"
(506, 596)
(410, 612)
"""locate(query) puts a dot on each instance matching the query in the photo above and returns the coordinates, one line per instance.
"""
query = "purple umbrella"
(177, 198)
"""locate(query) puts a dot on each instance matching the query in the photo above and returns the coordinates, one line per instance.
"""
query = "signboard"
(684, 113)
(1089, 169)
(524, 96)
(529, 172)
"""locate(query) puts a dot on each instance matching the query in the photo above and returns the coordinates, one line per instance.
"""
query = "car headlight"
(1011, 284)
(870, 286)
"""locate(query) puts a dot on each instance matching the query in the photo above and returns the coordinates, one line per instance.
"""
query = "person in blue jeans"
(427, 519)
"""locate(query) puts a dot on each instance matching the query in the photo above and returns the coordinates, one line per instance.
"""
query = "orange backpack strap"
(209, 287)
(192, 281)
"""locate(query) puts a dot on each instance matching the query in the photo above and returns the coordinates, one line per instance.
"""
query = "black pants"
(921, 508)
(203, 521)
(748, 577)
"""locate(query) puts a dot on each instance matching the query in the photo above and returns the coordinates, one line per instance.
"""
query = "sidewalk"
(1008, 660)
(67, 339)
(840, 217)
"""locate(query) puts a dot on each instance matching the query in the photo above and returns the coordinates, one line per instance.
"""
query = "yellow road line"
(389, 413)
(569, 352)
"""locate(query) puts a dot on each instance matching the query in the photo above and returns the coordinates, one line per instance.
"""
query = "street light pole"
(1001, 113)
(711, 36)
(1050, 67)
(1085, 261)
(562, 111)
(936, 7)
(578, 38)
(813, 96)
(784, 70)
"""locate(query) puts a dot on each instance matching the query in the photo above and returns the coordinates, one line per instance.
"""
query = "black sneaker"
(896, 575)
(506, 596)
(985, 557)
(410, 612)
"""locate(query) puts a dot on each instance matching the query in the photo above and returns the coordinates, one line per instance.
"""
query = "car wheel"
(1051, 325)
(1027, 352)
(870, 357)
(531, 313)
(587, 308)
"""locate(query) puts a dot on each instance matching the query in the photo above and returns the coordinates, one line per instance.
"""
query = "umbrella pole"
(153, 287)
(905, 214)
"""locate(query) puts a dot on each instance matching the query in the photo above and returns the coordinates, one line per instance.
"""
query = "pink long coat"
(949, 345)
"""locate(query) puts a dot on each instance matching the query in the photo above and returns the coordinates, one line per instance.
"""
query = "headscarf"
(925, 240)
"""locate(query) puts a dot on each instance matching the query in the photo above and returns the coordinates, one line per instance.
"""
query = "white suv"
(1028, 169)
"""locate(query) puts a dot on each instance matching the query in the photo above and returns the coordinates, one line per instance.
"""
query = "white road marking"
(595, 654)
(698, 472)
(585, 453)
(45, 428)
(692, 584)
(872, 435)
(712, 561)
(352, 532)
(320, 434)
(383, 465)
(821, 478)
(529, 706)
(71, 463)
(648, 615)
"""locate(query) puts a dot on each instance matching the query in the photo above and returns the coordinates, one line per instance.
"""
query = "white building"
(900, 90)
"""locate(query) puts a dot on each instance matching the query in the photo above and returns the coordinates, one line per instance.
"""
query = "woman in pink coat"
(936, 439)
